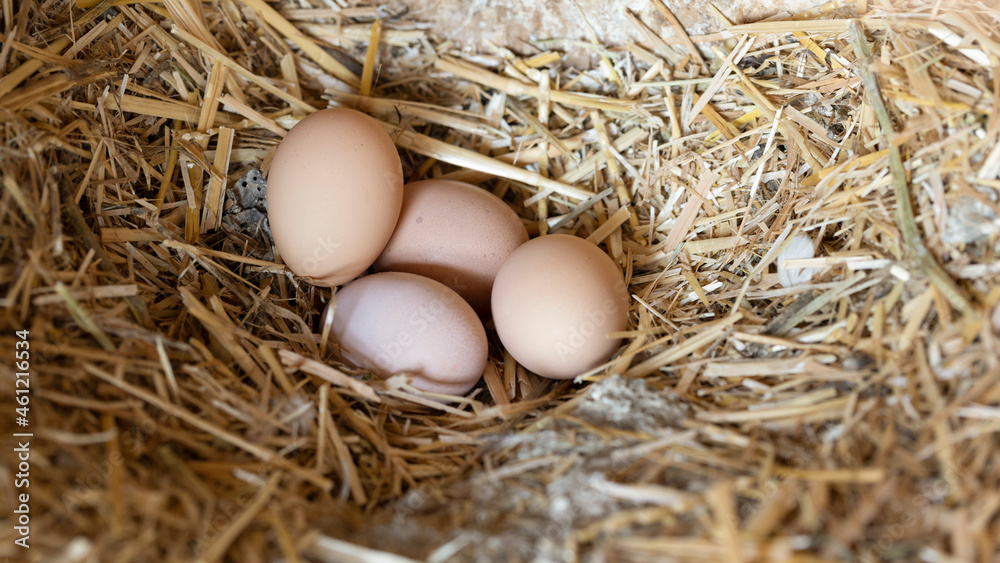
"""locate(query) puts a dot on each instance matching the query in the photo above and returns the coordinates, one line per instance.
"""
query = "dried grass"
(184, 405)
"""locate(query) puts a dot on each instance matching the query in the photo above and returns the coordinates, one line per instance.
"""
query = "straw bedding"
(185, 406)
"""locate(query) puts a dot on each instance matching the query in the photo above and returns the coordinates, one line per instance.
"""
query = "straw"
(188, 404)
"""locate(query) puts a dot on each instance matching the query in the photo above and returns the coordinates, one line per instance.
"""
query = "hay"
(184, 405)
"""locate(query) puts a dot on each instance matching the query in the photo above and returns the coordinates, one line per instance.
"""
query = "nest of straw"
(184, 404)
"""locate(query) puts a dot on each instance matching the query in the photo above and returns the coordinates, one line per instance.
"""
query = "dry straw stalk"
(186, 406)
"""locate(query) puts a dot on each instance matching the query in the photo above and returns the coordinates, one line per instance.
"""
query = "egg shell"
(555, 300)
(454, 233)
(799, 247)
(334, 191)
(396, 322)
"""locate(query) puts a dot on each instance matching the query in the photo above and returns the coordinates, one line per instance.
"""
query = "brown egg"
(554, 302)
(454, 233)
(397, 322)
(333, 195)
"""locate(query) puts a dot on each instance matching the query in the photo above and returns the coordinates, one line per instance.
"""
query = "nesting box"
(803, 203)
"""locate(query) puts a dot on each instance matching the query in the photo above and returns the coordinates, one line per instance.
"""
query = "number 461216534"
(23, 382)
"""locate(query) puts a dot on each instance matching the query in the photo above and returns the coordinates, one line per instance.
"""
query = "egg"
(554, 302)
(455, 233)
(799, 247)
(334, 191)
(397, 322)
